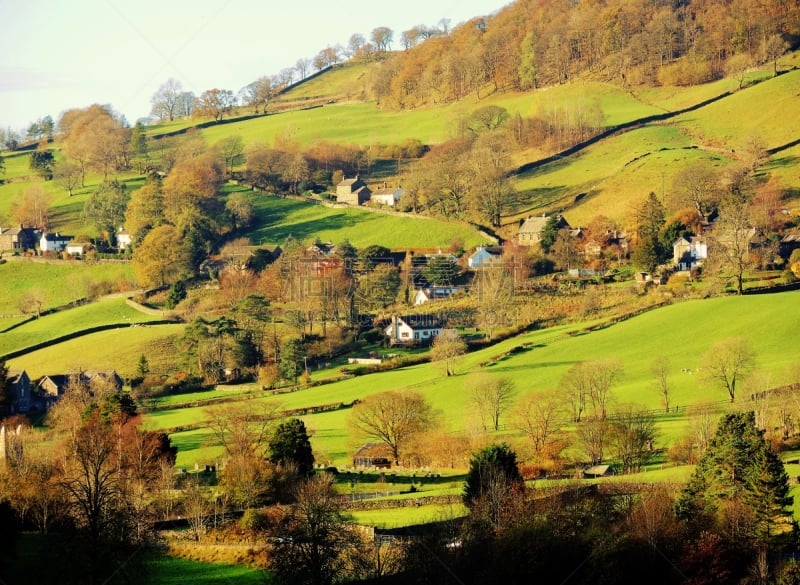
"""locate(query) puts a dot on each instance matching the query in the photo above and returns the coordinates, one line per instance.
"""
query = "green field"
(408, 516)
(683, 331)
(614, 175)
(66, 322)
(117, 349)
(59, 283)
(281, 218)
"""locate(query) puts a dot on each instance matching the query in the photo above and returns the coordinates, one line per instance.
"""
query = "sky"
(57, 55)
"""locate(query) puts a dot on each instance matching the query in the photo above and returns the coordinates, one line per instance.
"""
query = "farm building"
(353, 191)
(17, 238)
(373, 455)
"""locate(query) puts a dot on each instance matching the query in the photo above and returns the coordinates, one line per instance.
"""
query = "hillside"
(683, 331)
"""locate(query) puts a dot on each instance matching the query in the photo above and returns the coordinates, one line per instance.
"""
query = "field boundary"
(76, 334)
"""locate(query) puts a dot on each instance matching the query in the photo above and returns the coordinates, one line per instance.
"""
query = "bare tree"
(592, 436)
(731, 243)
(165, 99)
(660, 369)
(633, 431)
(537, 417)
(67, 176)
(727, 362)
(492, 396)
(317, 537)
(196, 508)
(447, 348)
(393, 418)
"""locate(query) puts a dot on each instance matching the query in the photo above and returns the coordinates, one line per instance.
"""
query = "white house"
(434, 293)
(689, 252)
(124, 239)
(413, 329)
(387, 196)
(78, 248)
(53, 242)
(485, 257)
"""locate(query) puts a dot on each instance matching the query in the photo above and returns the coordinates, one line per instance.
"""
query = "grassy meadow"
(59, 283)
(614, 175)
(683, 332)
(280, 218)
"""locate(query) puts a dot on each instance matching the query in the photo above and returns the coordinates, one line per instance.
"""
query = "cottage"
(377, 455)
(353, 191)
(530, 232)
(79, 248)
(53, 242)
(485, 257)
(389, 196)
(124, 239)
(413, 329)
(53, 386)
(19, 385)
(689, 252)
(434, 293)
(17, 238)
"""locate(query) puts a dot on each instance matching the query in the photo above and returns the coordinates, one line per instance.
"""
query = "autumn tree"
(447, 348)
(215, 103)
(393, 418)
(697, 186)
(244, 433)
(727, 362)
(34, 208)
(538, 419)
(145, 210)
(161, 258)
(382, 37)
(231, 149)
(96, 494)
(633, 431)
(259, 94)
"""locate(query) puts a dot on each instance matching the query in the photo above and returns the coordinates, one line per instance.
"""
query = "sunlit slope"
(683, 332)
(612, 176)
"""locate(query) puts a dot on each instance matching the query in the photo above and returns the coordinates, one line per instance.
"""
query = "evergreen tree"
(143, 367)
(177, 293)
(550, 232)
(487, 466)
(739, 466)
(649, 252)
(290, 444)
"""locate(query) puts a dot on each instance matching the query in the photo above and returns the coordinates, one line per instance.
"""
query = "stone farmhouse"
(353, 192)
(530, 232)
(17, 238)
